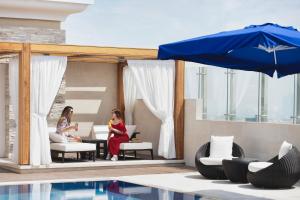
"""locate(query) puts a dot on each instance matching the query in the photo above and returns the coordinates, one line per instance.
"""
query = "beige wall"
(259, 140)
(147, 124)
(93, 95)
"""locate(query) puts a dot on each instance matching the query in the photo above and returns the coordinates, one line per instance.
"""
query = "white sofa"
(70, 147)
(136, 146)
(101, 132)
(74, 147)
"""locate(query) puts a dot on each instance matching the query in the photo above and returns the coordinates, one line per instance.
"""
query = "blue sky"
(148, 23)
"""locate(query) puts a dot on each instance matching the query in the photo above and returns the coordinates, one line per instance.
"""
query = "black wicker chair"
(214, 171)
(283, 173)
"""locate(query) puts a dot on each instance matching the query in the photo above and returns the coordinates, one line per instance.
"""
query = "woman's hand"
(76, 127)
(116, 131)
(109, 135)
(77, 138)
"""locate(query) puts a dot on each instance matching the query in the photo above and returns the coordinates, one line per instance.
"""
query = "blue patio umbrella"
(262, 48)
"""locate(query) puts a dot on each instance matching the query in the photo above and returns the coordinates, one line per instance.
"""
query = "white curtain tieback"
(167, 120)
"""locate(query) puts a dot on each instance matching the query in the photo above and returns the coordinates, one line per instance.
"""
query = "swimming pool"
(99, 190)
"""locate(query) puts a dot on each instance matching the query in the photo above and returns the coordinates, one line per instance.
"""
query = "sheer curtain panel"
(46, 76)
(130, 94)
(154, 80)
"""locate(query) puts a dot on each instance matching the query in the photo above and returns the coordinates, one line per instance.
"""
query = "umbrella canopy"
(262, 48)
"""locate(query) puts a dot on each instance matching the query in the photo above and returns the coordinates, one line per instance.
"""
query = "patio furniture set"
(91, 147)
(221, 158)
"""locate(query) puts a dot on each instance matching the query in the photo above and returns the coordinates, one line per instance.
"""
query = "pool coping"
(86, 165)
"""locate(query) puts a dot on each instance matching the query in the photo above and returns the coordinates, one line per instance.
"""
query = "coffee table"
(98, 143)
(236, 169)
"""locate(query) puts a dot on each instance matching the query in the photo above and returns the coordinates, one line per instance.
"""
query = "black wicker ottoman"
(236, 169)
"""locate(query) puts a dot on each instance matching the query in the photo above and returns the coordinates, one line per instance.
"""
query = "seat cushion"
(284, 149)
(57, 138)
(100, 132)
(130, 130)
(135, 145)
(221, 146)
(73, 147)
(256, 166)
(213, 161)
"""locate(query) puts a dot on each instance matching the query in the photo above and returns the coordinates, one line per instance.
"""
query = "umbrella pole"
(275, 58)
(259, 97)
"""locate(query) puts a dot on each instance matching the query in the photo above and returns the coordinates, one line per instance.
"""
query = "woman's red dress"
(115, 141)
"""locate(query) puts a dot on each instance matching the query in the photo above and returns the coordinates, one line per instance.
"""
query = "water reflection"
(100, 190)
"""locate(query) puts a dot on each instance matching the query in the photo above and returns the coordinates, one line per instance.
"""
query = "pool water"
(98, 190)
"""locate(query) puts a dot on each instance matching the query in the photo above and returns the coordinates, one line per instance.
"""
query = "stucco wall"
(147, 124)
(259, 140)
(91, 88)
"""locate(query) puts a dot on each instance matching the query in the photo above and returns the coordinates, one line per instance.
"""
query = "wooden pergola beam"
(93, 60)
(179, 109)
(24, 104)
(11, 47)
(72, 50)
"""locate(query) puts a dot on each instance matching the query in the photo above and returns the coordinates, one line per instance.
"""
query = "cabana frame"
(78, 53)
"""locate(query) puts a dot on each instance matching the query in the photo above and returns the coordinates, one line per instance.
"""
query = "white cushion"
(221, 146)
(51, 129)
(213, 161)
(135, 145)
(284, 149)
(100, 132)
(73, 147)
(130, 130)
(55, 137)
(256, 166)
(100, 128)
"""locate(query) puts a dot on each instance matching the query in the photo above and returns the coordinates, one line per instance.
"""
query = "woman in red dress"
(117, 135)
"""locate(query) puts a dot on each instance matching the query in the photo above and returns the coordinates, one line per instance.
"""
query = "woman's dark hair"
(117, 112)
(66, 113)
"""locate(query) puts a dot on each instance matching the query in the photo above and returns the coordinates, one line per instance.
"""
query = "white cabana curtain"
(46, 76)
(13, 79)
(130, 94)
(154, 81)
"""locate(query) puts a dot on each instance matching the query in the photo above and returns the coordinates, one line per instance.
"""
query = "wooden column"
(120, 88)
(179, 109)
(24, 104)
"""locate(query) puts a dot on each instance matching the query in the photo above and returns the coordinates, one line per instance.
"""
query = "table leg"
(104, 150)
(98, 150)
